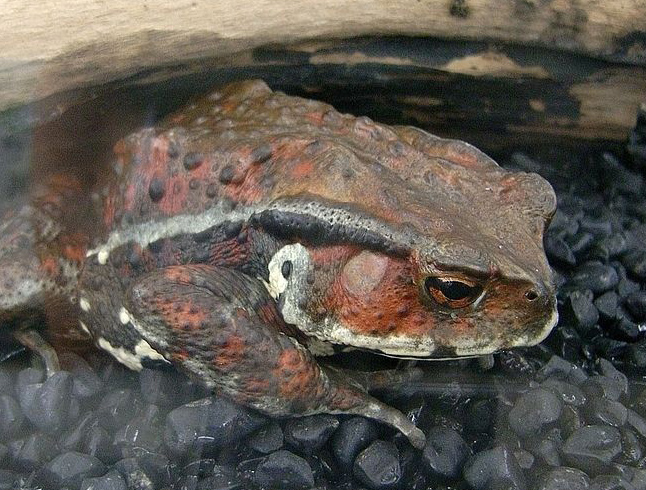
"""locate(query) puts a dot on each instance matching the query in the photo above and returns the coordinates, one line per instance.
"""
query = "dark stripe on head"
(319, 231)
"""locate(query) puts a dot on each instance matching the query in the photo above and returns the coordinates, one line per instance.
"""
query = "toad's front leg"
(222, 327)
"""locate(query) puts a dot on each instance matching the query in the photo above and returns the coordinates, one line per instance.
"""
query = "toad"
(252, 230)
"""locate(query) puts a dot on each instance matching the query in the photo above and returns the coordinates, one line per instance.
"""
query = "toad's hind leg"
(222, 327)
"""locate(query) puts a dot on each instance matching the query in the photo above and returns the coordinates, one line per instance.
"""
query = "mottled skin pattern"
(253, 225)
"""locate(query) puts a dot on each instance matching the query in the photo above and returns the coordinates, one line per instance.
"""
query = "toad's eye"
(454, 293)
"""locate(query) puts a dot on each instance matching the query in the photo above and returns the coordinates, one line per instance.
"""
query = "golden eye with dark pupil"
(451, 292)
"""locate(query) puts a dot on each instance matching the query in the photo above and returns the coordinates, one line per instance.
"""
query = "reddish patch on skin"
(74, 247)
(178, 274)
(376, 308)
(293, 373)
(50, 266)
(231, 353)
(303, 169)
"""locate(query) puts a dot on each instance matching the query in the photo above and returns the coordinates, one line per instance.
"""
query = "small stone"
(558, 250)
(636, 355)
(562, 369)
(267, 439)
(547, 447)
(33, 451)
(481, 415)
(569, 393)
(70, 469)
(635, 263)
(637, 422)
(28, 376)
(570, 420)
(606, 305)
(496, 466)
(581, 310)
(86, 382)
(609, 370)
(592, 448)
(11, 418)
(98, 442)
(117, 408)
(141, 431)
(221, 478)
(581, 242)
(564, 479)
(112, 480)
(626, 286)
(533, 410)
(636, 304)
(378, 466)
(308, 434)
(445, 452)
(524, 458)
(596, 277)
(610, 482)
(209, 423)
(631, 449)
(625, 329)
(616, 244)
(134, 475)
(352, 436)
(606, 411)
(284, 469)
(47, 405)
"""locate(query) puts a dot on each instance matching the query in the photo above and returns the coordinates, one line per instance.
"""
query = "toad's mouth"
(331, 337)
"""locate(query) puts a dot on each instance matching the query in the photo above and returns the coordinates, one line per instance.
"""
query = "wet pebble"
(378, 465)
(564, 478)
(592, 448)
(561, 369)
(635, 263)
(609, 370)
(606, 305)
(48, 405)
(134, 475)
(637, 422)
(86, 382)
(141, 431)
(70, 469)
(602, 387)
(533, 410)
(445, 452)
(267, 439)
(558, 250)
(596, 277)
(606, 411)
(284, 469)
(581, 310)
(631, 449)
(209, 423)
(11, 418)
(547, 447)
(112, 480)
(569, 393)
(492, 468)
(308, 434)
(31, 452)
(117, 407)
(610, 482)
(352, 436)
(636, 304)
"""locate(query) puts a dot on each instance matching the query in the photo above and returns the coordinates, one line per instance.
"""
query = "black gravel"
(568, 414)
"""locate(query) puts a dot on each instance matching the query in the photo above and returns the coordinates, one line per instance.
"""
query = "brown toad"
(252, 226)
